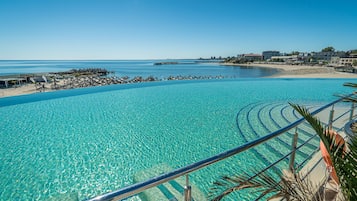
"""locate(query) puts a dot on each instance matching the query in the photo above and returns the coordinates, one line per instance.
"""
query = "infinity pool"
(86, 142)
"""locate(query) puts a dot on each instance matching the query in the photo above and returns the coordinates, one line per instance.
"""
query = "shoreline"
(298, 71)
(284, 71)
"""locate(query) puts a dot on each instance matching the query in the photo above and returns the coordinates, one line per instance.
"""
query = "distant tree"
(295, 53)
(313, 60)
(230, 60)
(328, 49)
(353, 51)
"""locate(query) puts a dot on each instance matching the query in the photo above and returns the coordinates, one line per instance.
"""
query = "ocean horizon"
(133, 68)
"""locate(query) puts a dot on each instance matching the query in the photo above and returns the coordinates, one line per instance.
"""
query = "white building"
(343, 61)
(335, 61)
(347, 61)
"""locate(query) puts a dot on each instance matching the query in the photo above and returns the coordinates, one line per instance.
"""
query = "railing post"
(292, 156)
(187, 190)
(331, 117)
(352, 110)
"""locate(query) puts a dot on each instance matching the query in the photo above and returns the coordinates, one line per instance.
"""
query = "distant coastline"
(298, 71)
(75, 81)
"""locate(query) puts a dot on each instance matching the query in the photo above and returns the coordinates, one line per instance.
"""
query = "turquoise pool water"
(85, 142)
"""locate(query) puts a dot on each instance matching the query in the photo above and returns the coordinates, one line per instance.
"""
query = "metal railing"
(184, 171)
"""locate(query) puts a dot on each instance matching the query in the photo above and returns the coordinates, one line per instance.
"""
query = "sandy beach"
(21, 90)
(285, 71)
(300, 71)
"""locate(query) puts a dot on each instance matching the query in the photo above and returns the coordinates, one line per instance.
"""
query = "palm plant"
(344, 162)
(290, 187)
(294, 187)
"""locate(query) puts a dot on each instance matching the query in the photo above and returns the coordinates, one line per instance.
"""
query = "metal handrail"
(141, 186)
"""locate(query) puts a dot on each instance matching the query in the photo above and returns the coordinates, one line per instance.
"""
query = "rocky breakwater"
(90, 81)
(79, 78)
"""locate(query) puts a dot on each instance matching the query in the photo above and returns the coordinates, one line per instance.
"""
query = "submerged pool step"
(243, 134)
(258, 119)
(167, 193)
(303, 133)
(177, 186)
(172, 190)
(259, 129)
(284, 140)
(275, 119)
(71, 196)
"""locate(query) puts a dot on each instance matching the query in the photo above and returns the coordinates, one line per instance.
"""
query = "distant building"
(335, 61)
(343, 61)
(326, 56)
(287, 59)
(252, 57)
(268, 54)
(304, 57)
(347, 61)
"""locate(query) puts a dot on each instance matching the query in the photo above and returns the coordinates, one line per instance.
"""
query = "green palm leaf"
(267, 186)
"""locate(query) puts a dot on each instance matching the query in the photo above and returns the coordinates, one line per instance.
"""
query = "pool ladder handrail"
(136, 188)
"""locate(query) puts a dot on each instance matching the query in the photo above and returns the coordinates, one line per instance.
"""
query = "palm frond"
(347, 97)
(300, 189)
(227, 185)
(267, 186)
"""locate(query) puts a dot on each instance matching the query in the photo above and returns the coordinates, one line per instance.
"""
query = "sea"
(133, 68)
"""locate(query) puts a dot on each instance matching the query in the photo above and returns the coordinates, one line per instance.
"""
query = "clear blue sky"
(159, 29)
